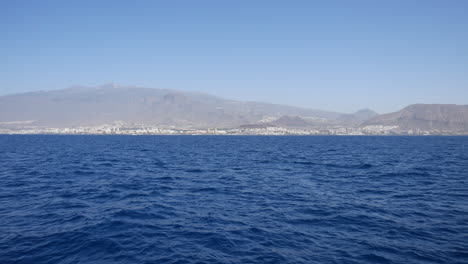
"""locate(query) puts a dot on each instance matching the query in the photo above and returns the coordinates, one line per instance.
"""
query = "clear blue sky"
(332, 55)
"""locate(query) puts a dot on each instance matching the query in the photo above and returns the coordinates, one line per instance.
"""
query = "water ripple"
(175, 199)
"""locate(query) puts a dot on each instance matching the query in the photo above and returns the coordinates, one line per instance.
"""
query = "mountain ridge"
(451, 117)
(81, 105)
(168, 108)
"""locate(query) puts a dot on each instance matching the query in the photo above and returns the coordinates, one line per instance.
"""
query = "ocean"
(233, 199)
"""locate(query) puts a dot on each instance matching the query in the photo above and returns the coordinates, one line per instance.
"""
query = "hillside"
(86, 106)
(448, 117)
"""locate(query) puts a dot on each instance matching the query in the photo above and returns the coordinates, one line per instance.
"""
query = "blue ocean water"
(233, 199)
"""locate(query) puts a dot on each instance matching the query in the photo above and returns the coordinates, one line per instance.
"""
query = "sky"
(331, 55)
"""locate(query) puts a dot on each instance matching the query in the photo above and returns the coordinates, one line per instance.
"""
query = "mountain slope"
(83, 106)
(426, 117)
(357, 117)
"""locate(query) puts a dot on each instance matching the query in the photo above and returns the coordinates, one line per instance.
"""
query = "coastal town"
(120, 128)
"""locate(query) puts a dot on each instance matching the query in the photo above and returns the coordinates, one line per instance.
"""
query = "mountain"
(291, 121)
(106, 104)
(444, 117)
(357, 117)
(88, 106)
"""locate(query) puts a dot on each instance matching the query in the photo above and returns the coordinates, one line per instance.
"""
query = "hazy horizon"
(335, 55)
(201, 92)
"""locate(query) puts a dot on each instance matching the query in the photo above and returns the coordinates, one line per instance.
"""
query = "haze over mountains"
(78, 106)
(447, 117)
(90, 106)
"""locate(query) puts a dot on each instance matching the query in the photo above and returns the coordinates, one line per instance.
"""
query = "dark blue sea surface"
(233, 199)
